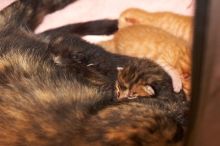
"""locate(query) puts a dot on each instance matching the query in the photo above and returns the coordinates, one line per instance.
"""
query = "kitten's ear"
(148, 89)
(120, 68)
(131, 21)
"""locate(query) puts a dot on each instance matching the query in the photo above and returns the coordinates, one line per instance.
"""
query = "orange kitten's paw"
(176, 80)
(175, 76)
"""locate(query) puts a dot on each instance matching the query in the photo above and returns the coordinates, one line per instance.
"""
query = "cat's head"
(130, 85)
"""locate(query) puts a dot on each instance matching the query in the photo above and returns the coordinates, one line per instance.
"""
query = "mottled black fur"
(50, 101)
(98, 27)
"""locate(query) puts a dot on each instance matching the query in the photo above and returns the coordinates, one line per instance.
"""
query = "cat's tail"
(29, 13)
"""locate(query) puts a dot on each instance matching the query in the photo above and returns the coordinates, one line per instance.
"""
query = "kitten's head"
(130, 85)
(143, 78)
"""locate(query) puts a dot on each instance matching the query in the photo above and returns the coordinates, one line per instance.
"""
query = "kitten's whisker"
(132, 97)
(91, 64)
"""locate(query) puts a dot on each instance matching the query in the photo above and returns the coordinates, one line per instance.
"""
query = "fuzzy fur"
(48, 99)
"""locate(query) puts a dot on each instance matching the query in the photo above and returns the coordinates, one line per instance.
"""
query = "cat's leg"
(97, 27)
(29, 13)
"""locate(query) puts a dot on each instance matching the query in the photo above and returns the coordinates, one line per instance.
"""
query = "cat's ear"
(148, 89)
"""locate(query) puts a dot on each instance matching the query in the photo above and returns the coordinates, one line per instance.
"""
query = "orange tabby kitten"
(150, 42)
(176, 24)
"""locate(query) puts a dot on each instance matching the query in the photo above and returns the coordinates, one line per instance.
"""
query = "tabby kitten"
(143, 78)
(179, 25)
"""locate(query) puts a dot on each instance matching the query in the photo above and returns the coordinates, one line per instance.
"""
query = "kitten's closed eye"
(134, 91)
(141, 90)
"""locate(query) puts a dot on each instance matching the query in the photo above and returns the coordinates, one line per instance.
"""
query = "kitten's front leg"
(174, 74)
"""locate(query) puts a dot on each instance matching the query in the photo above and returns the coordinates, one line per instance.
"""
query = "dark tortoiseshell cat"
(48, 99)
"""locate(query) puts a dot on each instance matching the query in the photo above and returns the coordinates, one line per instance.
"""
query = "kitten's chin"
(132, 97)
(121, 97)
(126, 97)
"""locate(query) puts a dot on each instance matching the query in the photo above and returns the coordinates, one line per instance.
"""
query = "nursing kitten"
(50, 102)
(179, 25)
(143, 78)
(149, 42)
